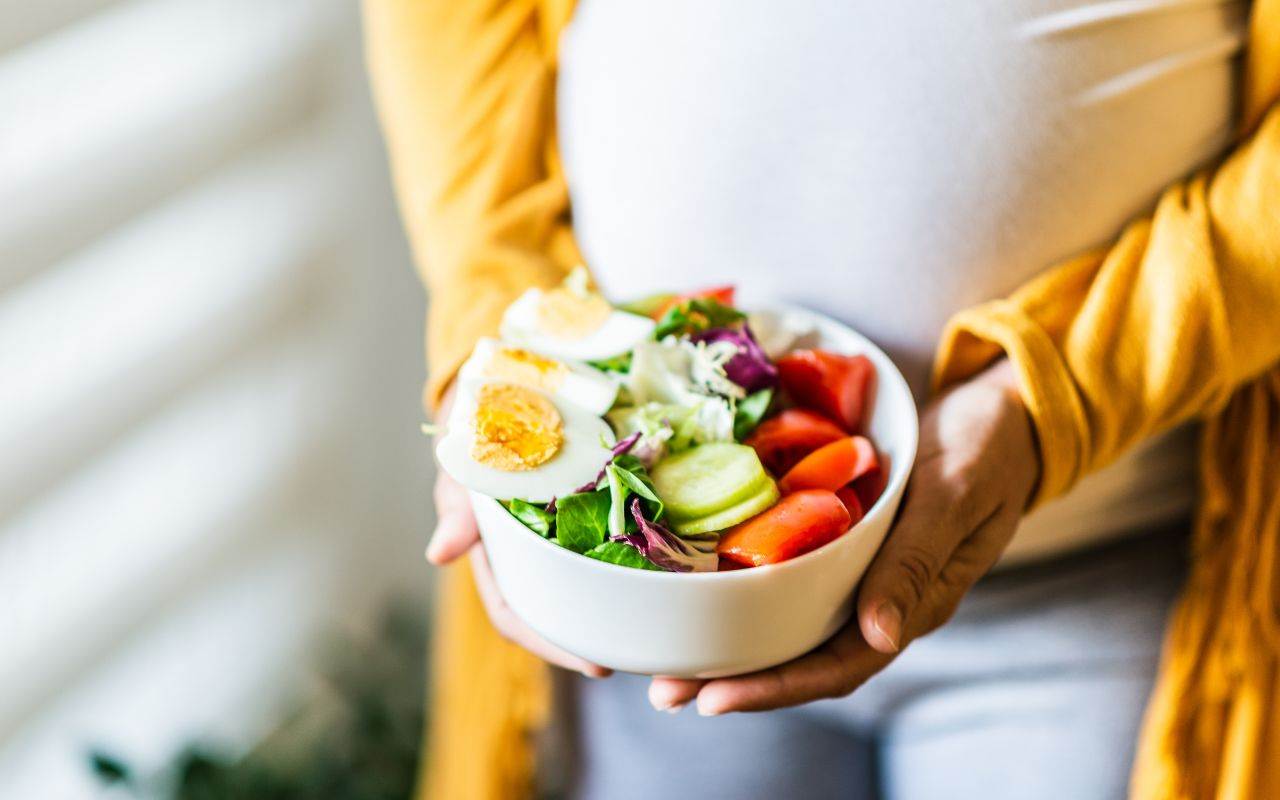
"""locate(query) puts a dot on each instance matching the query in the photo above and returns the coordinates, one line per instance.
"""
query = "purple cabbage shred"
(750, 368)
(668, 551)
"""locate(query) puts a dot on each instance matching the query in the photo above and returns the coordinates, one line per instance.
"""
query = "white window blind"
(208, 365)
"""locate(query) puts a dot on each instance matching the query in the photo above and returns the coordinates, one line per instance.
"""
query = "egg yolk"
(567, 314)
(531, 369)
(516, 428)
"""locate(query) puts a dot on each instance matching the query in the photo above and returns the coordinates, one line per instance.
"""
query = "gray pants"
(1034, 690)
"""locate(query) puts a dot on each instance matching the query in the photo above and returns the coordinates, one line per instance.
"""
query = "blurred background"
(213, 491)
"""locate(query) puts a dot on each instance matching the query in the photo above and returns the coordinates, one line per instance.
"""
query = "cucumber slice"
(708, 478)
(731, 516)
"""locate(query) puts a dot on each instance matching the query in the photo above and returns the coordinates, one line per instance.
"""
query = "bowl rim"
(898, 478)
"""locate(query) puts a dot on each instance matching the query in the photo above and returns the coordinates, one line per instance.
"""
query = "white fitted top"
(891, 163)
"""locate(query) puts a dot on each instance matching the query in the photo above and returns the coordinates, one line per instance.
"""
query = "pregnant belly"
(883, 164)
(890, 165)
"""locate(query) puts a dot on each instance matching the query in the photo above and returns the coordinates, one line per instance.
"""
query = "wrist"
(1001, 375)
(1003, 378)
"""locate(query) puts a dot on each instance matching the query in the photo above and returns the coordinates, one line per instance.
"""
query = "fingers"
(928, 531)
(456, 530)
(925, 567)
(515, 631)
(833, 670)
(950, 495)
(975, 470)
(455, 534)
(673, 694)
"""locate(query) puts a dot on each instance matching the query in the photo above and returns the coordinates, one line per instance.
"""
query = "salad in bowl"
(675, 485)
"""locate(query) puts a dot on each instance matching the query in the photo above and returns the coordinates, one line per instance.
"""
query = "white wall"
(210, 360)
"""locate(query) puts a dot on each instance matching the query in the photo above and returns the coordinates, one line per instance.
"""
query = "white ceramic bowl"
(708, 624)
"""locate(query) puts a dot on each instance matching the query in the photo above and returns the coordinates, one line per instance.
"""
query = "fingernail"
(703, 711)
(660, 702)
(888, 624)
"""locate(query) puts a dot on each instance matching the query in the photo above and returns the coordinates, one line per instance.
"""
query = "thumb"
(456, 529)
(912, 557)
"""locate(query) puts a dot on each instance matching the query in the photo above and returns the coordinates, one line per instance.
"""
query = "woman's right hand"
(455, 535)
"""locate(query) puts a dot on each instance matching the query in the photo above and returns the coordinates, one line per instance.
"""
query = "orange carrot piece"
(800, 522)
(832, 466)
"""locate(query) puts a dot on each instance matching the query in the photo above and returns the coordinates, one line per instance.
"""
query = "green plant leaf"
(627, 476)
(622, 554)
(619, 363)
(582, 520)
(647, 306)
(697, 314)
(636, 479)
(534, 517)
(749, 411)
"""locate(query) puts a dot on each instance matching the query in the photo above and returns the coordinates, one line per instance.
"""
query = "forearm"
(465, 95)
(1162, 327)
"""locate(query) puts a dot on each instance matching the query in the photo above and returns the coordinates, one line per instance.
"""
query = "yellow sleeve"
(1160, 328)
(465, 92)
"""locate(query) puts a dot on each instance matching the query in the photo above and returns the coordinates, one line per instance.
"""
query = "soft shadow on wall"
(210, 337)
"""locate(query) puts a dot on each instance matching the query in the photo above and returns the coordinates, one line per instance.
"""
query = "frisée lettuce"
(667, 428)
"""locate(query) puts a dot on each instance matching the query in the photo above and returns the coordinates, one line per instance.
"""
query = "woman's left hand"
(974, 474)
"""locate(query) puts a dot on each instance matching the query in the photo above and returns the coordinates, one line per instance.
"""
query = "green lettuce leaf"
(647, 306)
(582, 520)
(632, 472)
(693, 316)
(621, 554)
(627, 476)
(619, 363)
(749, 411)
(535, 518)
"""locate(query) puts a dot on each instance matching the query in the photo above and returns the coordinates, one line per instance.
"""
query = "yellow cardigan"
(1179, 319)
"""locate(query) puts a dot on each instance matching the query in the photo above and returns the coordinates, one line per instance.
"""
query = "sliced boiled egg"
(573, 323)
(778, 332)
(509, 441)
(565, 381)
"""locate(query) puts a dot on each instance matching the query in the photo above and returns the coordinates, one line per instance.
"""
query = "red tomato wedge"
(721, 294)
(836, 385)
(870, 486)
(799, 523)
(832, 466)
(783, 440)
(851, 502)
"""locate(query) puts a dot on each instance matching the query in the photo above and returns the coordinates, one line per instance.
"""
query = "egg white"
(586, 448)
(582, 386)
(620, 332)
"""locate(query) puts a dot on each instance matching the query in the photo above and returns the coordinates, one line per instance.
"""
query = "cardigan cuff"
(980, 335)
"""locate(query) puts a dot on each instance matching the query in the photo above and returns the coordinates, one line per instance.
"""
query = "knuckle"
(943, 602)
(941, 614)
(965, 497)
(846, 686)
(918, 566)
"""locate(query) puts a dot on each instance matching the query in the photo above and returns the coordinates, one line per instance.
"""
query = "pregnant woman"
(1069, 211)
